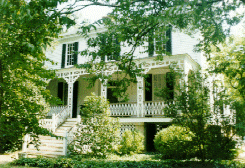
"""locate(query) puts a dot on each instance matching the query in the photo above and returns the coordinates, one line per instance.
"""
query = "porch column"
(104, 88)
(70, 98)
(140, 96)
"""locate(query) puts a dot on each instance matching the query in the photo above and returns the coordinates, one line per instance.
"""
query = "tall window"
(69, 54)
(159, 43)
(109, 47)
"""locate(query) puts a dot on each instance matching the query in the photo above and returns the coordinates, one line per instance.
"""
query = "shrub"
(132, 142)
(218, 146)
(97, 131)
(174, 142)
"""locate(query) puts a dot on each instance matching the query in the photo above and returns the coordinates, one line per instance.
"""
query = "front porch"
(71, 87)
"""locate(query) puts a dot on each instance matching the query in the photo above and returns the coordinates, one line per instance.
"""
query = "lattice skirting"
(125, 127)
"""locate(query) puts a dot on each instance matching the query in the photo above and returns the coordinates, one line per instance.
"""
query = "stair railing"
(69, 135)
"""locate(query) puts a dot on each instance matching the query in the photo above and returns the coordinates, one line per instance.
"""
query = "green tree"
(26, 29)
(229, 63)
(97, 130)
(199, 110)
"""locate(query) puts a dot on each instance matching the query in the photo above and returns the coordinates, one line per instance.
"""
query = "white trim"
(145, 119)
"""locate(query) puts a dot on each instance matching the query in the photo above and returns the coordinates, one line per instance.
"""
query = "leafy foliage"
(26, 29)
(98, 130)
(175, 142)
(137, 23)
(132, 142)
(229, 63)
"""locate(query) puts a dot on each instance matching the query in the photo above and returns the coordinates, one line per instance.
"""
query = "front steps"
(51, 146)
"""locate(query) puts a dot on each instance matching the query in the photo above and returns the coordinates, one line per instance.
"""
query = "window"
(69, 54)
(109, 47)
(157, 44)
(166, 82)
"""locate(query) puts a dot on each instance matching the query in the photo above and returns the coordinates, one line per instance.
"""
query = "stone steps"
(51, 146)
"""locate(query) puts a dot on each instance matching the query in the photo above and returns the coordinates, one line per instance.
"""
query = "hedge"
(69, 163)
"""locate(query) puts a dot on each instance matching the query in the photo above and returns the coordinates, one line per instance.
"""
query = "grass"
(8, 165)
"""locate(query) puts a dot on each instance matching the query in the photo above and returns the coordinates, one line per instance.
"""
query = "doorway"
(150, 135)
(75, 95)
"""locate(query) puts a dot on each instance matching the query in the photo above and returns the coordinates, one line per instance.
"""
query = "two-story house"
(143, 110)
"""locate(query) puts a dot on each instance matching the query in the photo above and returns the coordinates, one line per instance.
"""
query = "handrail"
(57, 119)
(55, 110)
(70, 134)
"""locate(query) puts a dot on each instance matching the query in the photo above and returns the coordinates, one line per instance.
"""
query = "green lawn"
(8, 165)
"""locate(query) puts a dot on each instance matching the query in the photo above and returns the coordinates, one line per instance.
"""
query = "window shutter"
(170, 84)
(63, 56)
(65, 93)
(169, 42)
(103, 47)
(151, 43)
(75, 52)
(118, 49)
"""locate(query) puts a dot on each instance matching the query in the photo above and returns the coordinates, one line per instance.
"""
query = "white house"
(143, 111)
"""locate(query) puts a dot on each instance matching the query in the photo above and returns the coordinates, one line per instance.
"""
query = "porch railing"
(123, 109)
(150, 108)
(153, 108)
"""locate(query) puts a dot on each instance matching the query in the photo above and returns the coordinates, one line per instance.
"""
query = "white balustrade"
(55, 110)
(153, 108)
(123, 109)
(61, 117)
(130, 109)
(57, 118)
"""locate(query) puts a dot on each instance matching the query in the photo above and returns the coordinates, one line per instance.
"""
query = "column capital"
(104, 88)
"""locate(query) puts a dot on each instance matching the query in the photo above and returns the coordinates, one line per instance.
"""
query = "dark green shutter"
(65, 93)
(118, 49)
(75, 52)
(60, 90)
(169, 42)
(170, 85)
(102, 47)
(151, 43)
(63, 56)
